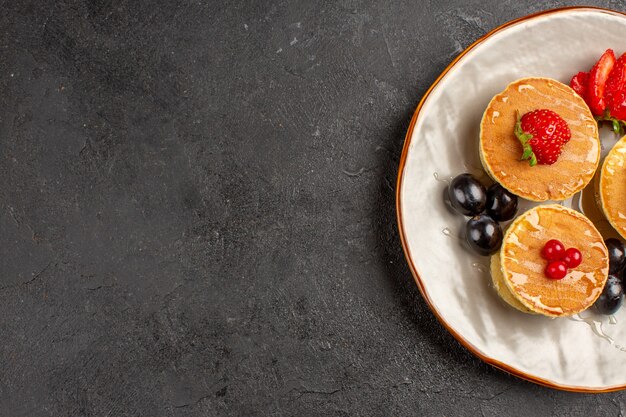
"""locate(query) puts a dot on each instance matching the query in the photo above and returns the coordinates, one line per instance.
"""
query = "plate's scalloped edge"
(407, 141)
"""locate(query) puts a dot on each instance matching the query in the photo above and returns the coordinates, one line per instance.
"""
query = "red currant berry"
(553, 250)
(556, 270)
(572, 257)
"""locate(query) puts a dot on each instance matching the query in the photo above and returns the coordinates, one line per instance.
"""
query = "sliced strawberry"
(615, 91)
(579, 84)
(617, 79)
(597, 82)
(618, 105)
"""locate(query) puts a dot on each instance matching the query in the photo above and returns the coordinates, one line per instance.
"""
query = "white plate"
(566, 353)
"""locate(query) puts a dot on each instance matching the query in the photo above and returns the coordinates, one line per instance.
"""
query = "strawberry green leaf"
(616, 124)
(524, 139)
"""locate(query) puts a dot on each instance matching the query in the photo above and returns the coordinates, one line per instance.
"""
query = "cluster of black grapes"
(485, 207)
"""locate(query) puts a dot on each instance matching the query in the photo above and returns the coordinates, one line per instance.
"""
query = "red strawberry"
(618, 107)
(617, 78)
(597, 82)
(615, 91)
(542, 134)
(579, 84)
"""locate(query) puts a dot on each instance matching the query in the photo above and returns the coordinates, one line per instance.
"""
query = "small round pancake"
(612, 187)
(500, 150)
(523, 267)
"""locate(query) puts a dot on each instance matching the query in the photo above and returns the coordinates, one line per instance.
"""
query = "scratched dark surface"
(197, 212)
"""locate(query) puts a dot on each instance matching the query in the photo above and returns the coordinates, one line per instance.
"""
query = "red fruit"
(542, 134)
(572, 257)
(556, 270)
(618, 105)
(615, 91)
(617, 78)
(553, 250)
(579, 84)
(596, 82)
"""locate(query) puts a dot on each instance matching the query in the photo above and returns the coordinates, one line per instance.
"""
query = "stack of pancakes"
(517, 270)
(500, 149)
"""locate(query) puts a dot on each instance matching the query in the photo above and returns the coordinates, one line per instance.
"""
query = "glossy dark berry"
(501, 203)
(467, 195)
(483, 234)
(553, 250)
(616, 255)
(556, 270)
(572, 257)
(612, 296)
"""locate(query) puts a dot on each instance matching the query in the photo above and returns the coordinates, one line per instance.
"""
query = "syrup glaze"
(522, 265)
(500, 150)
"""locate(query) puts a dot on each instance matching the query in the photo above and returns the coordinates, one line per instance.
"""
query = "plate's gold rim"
(407, 141)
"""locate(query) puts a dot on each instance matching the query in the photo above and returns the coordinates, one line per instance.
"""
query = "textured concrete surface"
(197, 212)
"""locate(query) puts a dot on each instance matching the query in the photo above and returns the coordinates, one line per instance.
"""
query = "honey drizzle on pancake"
(522, 265)
(500, 150)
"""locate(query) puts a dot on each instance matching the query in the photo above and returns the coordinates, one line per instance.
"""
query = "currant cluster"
(486, 207)
(613, 293)
(559, 259)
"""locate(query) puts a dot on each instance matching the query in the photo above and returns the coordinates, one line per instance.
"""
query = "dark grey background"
(197, 212)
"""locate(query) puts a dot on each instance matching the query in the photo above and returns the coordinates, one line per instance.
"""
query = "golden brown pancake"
(500, 150)
(523, 267)
(612, 187)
